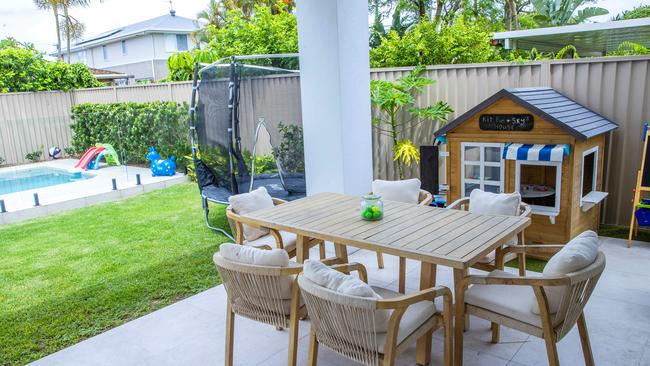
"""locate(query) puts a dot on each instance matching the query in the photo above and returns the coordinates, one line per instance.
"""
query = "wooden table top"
(452, 238)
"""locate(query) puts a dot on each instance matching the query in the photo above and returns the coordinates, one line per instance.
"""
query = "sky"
(22, 20)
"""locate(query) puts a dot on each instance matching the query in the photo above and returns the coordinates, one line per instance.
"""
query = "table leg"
(341, 252)
(522, 256)
(459, 309)
(302, 248)
(423, 347)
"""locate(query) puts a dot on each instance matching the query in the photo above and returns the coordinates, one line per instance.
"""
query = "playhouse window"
(589, 171)
(481, 167)
(539, 184)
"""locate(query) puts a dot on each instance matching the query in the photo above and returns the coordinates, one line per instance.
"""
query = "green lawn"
(74, 275)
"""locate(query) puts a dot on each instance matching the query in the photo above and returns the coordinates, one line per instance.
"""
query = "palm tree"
(54, 6)
(214, 14)
(564, 12)
(72, 27)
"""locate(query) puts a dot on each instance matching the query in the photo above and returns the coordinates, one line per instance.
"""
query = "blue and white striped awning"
(535, 152)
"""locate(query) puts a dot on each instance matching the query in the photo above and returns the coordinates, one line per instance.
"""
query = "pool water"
(22, 180)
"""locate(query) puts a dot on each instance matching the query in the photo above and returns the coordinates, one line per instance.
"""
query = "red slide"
(88, 156)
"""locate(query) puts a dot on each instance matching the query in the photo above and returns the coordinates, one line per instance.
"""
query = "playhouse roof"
(569, 115)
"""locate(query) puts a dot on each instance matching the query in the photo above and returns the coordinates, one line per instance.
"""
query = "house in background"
(139, 49)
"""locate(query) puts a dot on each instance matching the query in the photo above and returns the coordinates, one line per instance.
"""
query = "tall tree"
(563, 12)
(54, 6)
(72, 27)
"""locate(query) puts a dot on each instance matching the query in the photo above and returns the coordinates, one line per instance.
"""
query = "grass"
(532, 264)
(622, 232)
(71, 276)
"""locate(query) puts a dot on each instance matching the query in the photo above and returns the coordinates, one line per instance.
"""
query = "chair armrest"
(405, 301)
(349, 267)
(425, 198)
(525, 209)
(457, 203)
(533, 249)
(278, 201)
(517, 281)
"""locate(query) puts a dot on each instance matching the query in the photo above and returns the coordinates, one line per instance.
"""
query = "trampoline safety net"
(246, 128)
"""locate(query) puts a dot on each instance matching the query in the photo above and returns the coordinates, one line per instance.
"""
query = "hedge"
(132, 128)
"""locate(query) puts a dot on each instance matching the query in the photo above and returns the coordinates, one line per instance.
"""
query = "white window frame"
(187, 42)
(482, 164)
(582, 174)
(536, 209)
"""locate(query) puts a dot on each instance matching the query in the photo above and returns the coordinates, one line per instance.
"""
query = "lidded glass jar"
(372, 207)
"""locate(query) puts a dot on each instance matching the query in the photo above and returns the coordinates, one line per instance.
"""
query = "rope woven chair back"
(256, 292)
(343, 323)
(577, 294)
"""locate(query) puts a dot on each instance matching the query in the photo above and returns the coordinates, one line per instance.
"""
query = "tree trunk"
(508, 16)
(68, 31)
(58, 32)
(514, 14)
(436, 19)
(422, 10)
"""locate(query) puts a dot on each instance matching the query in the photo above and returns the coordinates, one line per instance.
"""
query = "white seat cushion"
(334, 280)
(509, 300)
(487, 203)
(288, 241)
(249, 202)
(416, 315)
(577, 254)
(407, 191)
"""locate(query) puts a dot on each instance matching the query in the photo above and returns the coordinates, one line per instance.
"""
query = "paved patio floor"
(191, 332)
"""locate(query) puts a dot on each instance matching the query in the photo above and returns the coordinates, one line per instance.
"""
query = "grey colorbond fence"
(615, 87)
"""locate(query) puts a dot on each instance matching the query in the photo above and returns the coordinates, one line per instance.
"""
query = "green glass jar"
(372, 207)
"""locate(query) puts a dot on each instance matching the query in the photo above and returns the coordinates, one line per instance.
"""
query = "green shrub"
(34, 156)
(132, 128)
(291, 151)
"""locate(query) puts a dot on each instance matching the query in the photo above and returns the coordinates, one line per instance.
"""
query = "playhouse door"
(481, 167)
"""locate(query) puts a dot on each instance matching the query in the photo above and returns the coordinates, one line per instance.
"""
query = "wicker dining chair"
(424, 199)
(346, 324)
(504, 299)
(275, 239)
(259, 293)
(490, 262)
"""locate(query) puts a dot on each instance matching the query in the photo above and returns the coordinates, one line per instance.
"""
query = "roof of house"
(586, 37)
(102, 74)
(166, 23)
(565, 113)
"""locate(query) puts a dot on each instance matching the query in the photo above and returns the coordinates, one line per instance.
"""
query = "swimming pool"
(25, 179)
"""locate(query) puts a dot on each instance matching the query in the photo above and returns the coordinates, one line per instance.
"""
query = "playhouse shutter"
(535, 152)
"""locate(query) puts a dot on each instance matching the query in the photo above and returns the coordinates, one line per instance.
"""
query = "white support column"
(335, 92)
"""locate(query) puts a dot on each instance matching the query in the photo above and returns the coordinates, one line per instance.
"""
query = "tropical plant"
(34, 156)
(24, 69)
(53, 5)
(629, 49)
(641, 11)
(397, 113)
(461, 42)
(290, 153)
(73, 29)
(265, 32)
(554, 13)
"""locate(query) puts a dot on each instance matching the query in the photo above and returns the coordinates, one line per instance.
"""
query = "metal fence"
(616, 87)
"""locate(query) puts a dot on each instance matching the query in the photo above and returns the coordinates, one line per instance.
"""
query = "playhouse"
(539, 143)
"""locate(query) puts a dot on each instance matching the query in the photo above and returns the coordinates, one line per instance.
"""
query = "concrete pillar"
(335, 92)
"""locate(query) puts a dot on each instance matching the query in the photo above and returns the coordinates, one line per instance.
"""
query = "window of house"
(124, 47)
(105, 52)
(589, 170)
(539, 184)
(81, 56)
(481, 167)
(181, 42)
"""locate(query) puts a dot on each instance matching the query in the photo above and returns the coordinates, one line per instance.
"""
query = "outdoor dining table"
(430, 235)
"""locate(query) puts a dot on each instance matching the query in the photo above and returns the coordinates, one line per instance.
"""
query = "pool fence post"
(137, 180)
(36, 201)
(114, 181)
(3, 208)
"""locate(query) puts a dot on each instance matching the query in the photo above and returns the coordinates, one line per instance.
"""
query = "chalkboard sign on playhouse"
(506, 122)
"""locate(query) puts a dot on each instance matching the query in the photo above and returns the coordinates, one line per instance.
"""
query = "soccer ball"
(55, 152)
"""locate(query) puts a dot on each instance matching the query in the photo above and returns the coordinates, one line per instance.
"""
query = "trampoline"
(224, 163)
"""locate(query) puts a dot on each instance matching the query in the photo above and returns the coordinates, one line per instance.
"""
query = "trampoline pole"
(193, 110)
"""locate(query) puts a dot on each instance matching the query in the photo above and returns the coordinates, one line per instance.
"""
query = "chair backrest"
(343, 323)
(425, 198)
(259, 293)
(576, 295)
